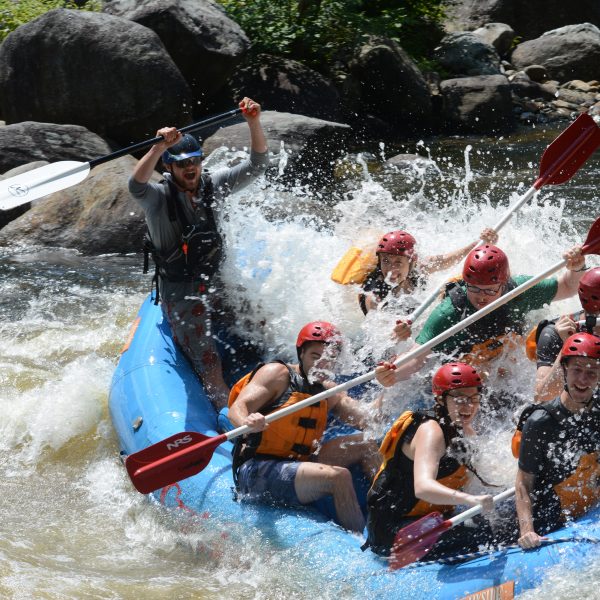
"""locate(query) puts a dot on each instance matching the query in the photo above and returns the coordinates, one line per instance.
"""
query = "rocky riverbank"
(75, 85)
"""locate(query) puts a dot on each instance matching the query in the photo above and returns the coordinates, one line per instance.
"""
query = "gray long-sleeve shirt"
(166, 234)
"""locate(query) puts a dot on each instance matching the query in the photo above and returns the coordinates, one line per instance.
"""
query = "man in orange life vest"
(550, 336)
(284, 461)
(558, 446)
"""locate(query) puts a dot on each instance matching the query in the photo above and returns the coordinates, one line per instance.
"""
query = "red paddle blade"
(563, 157)
(415, 540)
(170, 460)
(592, 241)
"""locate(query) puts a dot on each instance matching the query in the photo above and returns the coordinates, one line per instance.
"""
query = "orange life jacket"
(294, 436)
(392, 443)
(581, 490)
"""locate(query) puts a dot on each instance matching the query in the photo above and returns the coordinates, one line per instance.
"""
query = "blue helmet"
(186, 148)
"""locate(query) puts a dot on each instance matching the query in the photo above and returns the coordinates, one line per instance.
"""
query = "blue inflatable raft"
(155, 394)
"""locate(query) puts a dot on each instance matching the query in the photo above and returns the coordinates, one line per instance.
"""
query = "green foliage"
(14, 13)
(317, 31)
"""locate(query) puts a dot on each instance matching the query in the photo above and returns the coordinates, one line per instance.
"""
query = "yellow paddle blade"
(354, 266)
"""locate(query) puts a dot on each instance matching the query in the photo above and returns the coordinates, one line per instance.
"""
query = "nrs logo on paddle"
(179, 442)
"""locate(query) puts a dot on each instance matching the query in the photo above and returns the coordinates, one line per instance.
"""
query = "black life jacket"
(376, 284)
(198, 253)
(490, 329)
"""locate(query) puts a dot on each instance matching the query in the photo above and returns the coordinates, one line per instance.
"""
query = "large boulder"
(529, 19)
(96, 216)
(384, 83)
(466, 54)
(29, 141)
(108, 74)
(477, 104)
(205, 44)
(286, 85)
(312, 145)
(571, 52)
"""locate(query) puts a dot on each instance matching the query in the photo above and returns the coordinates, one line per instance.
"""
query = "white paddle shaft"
(471, 512)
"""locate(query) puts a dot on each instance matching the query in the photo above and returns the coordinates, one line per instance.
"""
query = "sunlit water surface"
(71, 524)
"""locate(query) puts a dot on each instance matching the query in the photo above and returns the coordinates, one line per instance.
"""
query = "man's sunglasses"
(188, 162)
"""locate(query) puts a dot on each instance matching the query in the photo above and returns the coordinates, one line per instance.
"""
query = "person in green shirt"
(486, 277)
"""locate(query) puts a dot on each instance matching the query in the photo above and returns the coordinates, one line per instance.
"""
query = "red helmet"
(400, 243)
(318, 331)
(486, 265)
(589, 291)
(453, 376)
(582, 344)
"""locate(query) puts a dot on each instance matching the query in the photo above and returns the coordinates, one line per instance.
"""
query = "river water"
(71, 524)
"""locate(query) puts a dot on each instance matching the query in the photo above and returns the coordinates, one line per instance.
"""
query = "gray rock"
(205, 44)
(499, 35)
(537, 73)
(467, 54)
(108, 74)
(385, 86)
(477, 104)
(313, 144)
(96, 216)
(285, 85)
(529, 19)
(30, 141)
(571, 52)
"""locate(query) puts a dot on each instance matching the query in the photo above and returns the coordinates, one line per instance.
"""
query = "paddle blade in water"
(38, 183)
(415, 540)
(563, 157)
(170, 460)
(592, 241)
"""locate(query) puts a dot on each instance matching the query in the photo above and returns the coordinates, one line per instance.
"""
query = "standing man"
(185, 241)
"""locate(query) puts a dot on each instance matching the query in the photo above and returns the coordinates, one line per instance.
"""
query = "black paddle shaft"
(142, 145)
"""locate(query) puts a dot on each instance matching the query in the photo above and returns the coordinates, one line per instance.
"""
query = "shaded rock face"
(529, 19)
(204, 43)
(286, 86)
(312, 144)
(29, 141)
(477, 104)
(96, 216)
(108, 74)
(467, 54)
(385, 84)
(571, 52)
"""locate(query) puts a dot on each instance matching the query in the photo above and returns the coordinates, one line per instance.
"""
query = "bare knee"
(340, 479)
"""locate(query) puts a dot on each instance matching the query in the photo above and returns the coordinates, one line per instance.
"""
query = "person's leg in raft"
(191, 326)
(314, 480)
(347, 450)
